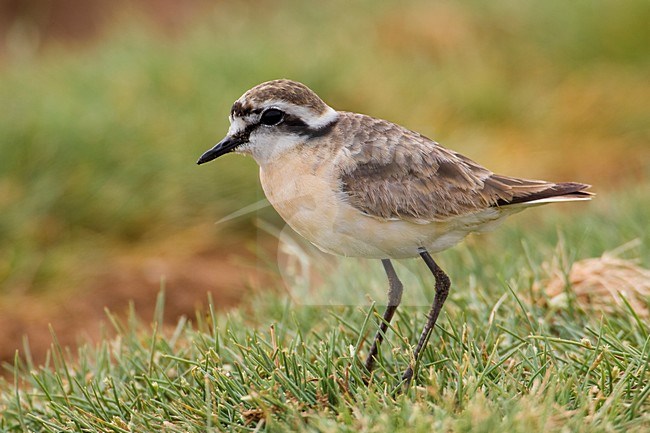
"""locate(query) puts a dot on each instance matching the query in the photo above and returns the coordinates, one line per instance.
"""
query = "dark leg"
(442, 290)
(394, 298)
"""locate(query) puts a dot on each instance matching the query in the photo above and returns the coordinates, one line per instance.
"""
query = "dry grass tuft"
(602, 283)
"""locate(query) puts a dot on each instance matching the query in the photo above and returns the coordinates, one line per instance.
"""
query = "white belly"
(309, 203)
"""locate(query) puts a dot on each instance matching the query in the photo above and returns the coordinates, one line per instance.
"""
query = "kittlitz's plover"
(358, 186)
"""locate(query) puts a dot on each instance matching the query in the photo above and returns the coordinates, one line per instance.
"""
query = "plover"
(354, 185)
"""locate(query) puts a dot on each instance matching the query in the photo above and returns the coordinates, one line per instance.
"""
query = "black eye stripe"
(291, 124)
(244, 135)
(311, 133)
(294, 122)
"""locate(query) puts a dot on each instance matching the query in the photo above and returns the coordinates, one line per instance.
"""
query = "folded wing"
(394, 173)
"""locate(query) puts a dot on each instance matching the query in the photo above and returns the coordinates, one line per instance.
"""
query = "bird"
(358, 186)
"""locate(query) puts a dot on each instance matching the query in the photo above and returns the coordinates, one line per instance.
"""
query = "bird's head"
(272, 118)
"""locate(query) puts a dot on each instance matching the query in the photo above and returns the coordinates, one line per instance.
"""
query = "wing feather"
(390, 172)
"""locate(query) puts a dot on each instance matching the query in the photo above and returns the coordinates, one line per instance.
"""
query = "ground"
(226, 269)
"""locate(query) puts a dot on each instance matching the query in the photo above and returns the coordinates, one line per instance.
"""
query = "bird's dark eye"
(271, 117)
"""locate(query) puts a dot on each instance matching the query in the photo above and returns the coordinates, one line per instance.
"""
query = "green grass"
(496, 362)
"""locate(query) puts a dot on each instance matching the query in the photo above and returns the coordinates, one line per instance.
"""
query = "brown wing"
(390, 172)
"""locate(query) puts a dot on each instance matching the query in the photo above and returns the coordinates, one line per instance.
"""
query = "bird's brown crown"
(287, 91)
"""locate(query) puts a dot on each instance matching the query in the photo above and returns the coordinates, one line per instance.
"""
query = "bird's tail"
(533, 192)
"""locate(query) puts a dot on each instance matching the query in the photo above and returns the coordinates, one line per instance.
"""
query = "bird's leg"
(442, 290)
(394, 297)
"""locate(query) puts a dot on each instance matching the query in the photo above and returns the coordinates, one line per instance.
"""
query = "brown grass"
(601, 284)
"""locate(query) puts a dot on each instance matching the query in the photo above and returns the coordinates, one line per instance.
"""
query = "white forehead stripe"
(325, 119)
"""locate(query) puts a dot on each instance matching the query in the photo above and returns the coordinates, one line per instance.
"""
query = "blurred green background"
(107, 105)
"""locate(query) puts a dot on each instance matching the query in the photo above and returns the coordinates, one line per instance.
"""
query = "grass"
(498, 361)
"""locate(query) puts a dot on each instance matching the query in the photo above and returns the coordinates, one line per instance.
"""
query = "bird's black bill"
(226, 145)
